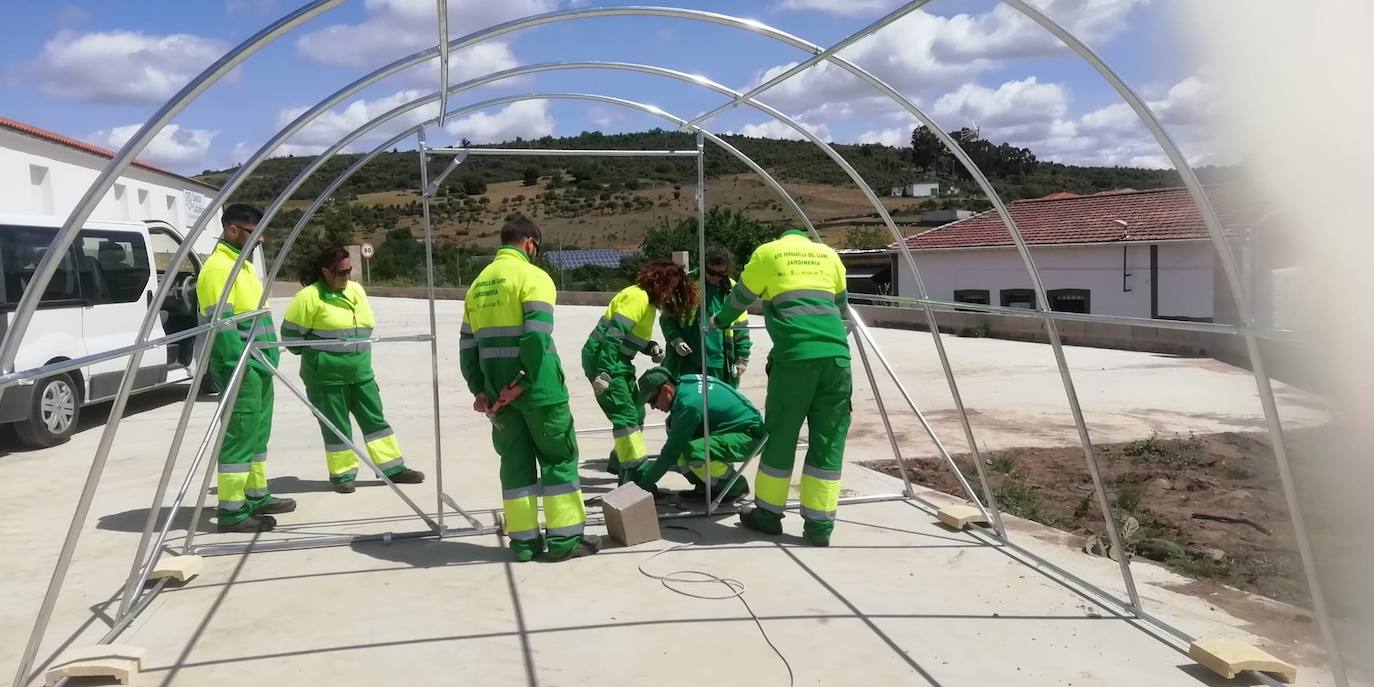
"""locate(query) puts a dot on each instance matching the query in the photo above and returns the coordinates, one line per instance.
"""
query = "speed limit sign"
(367, 250)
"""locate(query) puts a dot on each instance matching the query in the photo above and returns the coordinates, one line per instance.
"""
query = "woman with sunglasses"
(332, 313)
(727, 351)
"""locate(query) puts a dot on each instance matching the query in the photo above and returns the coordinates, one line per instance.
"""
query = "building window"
(975, 296)
(1070, 300)
(121, 200)
(143, 206)
(1018, 298)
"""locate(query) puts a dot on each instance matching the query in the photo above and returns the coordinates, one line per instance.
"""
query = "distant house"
(1132, 253)
(941, 216)
(897, 191)
(868, 271)
(924, 189)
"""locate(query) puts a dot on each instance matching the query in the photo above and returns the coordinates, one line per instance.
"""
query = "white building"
(44, 173)
(1136, 254)
(922, 190)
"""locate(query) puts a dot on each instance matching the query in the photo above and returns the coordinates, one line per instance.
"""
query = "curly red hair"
(669, 288)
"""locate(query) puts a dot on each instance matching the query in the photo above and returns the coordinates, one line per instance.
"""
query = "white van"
(95, 303)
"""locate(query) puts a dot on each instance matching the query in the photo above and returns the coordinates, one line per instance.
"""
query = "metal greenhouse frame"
(134, 598)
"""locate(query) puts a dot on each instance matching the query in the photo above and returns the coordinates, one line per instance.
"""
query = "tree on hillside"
(866, 238)
(731, 228)
(474, 185)
(531, 176)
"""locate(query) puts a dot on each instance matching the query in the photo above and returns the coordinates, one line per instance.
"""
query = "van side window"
(20, 250)
(113, 266)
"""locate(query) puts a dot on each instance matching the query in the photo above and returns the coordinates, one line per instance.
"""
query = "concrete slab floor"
(896, 599)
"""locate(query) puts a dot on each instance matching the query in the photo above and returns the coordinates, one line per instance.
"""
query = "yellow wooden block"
(960, 515)
(111, 661)
(179, 568)
(1227, 658)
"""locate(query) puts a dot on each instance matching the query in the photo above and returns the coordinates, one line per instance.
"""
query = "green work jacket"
(244, 296)
(623, 331)
(729, 411)
(319, 313)
(723, 347)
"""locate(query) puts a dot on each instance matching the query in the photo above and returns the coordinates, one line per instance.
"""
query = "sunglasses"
(341, 272)
(715, 273)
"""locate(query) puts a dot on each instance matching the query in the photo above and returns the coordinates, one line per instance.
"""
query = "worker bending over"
(735, 424)
(246, 503)
(510, 365)
(727, 352)
(338, 375)
(802, 284)
(624, 331)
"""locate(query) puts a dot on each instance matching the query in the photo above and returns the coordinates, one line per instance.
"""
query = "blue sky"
(95, 70)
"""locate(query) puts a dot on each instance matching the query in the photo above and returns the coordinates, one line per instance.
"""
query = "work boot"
(732, 498)
(276, 506)
(613, 464)
(816, 537)
(250, 525)
(408, 476)
(589, 545)
(761, 521)
(345, 487)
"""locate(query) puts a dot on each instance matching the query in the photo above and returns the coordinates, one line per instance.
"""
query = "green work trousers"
(538, 449)
(241, 477)
(726, 448)
(627, 421)
(816, 392)
(363, 401)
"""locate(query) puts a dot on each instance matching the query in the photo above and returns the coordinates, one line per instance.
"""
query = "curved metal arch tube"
(1243, 312)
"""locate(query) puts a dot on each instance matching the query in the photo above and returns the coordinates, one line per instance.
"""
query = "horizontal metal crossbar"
(54, 368)
(546, 152)
(321, 343)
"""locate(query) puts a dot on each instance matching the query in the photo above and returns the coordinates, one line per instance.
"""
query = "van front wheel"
(53, 413)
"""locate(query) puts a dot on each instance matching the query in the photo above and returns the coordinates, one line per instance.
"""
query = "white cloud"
(120, 67)
(331, 126)
(1014, 103)
(923, 53)
(841, 7)
(896, 136)
(395, 28)
(524, 119)
(175, 146)
(776, 129)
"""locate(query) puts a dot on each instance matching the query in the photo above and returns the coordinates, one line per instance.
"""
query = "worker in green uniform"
(507, 357)
(727, 352)
(802, 284)
(623, 332)
(246, 503)
(736, 431)
(338, 375)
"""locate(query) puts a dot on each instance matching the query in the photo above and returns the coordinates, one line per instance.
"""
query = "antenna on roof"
(1125, 228)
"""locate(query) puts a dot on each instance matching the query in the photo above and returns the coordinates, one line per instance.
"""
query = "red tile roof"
(1166, 214)
(83, 146)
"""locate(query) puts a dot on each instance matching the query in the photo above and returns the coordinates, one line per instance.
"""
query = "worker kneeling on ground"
(802, 284)
(507, 357)
(735, 424)
(623, 332)
(333, 311)
(727, 352)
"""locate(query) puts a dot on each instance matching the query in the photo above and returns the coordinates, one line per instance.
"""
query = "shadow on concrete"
(290, 484)
(1211, 679)
(425, 553)
(96, 415)
(133, 520)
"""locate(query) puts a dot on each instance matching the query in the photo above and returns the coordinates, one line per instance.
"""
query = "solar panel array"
(595, 257)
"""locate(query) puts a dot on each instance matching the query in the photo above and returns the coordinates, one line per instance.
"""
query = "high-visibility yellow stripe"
(342, 462)
(522, 517)
(630, 447)
(819, 496)
(771, 491)
(564, 513)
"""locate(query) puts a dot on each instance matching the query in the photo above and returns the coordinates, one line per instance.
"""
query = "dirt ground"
(1171, 489)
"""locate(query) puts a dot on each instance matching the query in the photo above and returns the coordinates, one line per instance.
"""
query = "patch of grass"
(1128, 497)
(1006, 464)
(1179, 451)
(1019, 499)
(1200, 567)
(1154, 445)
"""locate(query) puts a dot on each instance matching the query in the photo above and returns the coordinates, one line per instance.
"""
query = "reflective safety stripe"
(613, 333)
(812, 514)
(393, 463)
(380, 434)
(337, 448)
(466, 343)
(597, 335)
(345, 333)
(631, 338)
(538, 306)
(557, 489)
(525, 535)
(625, 431)
(232, 468)
(802, 293)
(743, 290)
(489, 332)
(232, 505)
(465, 329)
(499, 352)
(808, 310)
(821, 473)
(260, 458)
(539, 326)
(771, 508)
(779, 473)
(625, 320)
(568, 531)
(628, 351)
(519, 492)
(740, 304)
(257, 493)
(292, 331)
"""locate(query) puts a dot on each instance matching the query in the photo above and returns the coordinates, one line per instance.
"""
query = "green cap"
(651, 381)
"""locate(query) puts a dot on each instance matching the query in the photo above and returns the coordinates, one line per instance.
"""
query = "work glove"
(711, 326)
(680, 347)
(655, 352)
(481, 404)
(601, 384)
(508, 394)
(737, 369)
